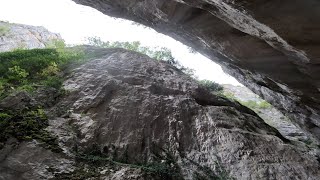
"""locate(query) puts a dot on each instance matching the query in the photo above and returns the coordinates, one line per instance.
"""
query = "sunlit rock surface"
(133, 110)
(267, 112)
(272, 47)
(18, 36)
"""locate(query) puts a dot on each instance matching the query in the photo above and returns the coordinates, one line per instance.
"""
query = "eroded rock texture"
(128, 109)
(267, 112)
(14, 36)
(272, 46)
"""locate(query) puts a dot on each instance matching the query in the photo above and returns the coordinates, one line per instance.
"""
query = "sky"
(76, 22)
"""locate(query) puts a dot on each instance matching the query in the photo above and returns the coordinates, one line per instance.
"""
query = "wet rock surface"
(15, 36)
(272, 47)
(126, 116)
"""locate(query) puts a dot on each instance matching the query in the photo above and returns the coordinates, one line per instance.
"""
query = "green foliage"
(159, 53)
(77, 174)
(21, 46)
(255, 104)
(17, 74)
(229, 95)
(56, 44)
(51, 70)
(210, 85)
(4, 30)
(53, 81)
(162, 167)
(26, 125)
(264, 105)
(29, 69)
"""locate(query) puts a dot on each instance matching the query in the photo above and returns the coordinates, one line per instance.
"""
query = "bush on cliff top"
(30, 69)
(210, 85)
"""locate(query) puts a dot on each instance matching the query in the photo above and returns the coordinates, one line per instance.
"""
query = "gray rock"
(24, 36)
(269, 114)
(129, 104)
(136, 110)
(272, 47)
(28, 160)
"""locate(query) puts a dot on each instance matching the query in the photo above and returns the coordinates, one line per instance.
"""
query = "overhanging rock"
(272, 47)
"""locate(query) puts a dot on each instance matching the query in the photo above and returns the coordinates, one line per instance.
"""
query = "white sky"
(75, 23)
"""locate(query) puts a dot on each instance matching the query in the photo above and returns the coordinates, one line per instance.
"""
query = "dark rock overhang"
(271, 46)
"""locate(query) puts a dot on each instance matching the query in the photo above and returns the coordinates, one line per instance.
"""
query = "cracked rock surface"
(272, 47)
(16, 36)
(135, 111)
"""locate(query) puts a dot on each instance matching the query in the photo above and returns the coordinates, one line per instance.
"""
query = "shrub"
(17, 74)
(210, 85)
(28, 69)
(26, 125)
(56, 43)
(53, 81)
(159, 53)
(51, 70)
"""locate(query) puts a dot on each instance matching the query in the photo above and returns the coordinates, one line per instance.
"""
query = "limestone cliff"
(126, 116)
(266, 111)
(13, 36)
(272, 47)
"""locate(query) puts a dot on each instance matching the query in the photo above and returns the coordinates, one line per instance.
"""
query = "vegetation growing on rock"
(31, 69)
(4, 28)
(211, 86)
(26, 125)
(158, 53)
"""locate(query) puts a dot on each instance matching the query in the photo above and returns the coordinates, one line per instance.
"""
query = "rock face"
(268, 113)
(151, 121)
(13, 36)
(272, 47)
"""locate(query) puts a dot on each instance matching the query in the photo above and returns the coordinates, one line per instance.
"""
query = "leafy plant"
(30, 69)
(17, 74)
(26, 125)
(51, 70)
(210, 85)
(159, 53)
(56, 44)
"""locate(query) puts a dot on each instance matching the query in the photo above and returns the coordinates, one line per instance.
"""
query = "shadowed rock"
(272, 47)
(124, 111)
